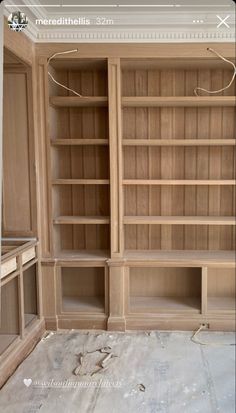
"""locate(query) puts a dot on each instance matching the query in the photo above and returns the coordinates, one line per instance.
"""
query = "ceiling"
(127, 21)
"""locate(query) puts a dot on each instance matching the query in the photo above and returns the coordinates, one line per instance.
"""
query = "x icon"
(223, 21)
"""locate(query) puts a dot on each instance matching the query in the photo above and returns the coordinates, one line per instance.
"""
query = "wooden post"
(49, 292)
(21, 297)
(43, 162)
(115, 137)
(116, 320)
(204, 291)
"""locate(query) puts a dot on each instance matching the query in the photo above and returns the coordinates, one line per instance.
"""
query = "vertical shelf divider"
(204, 292)
(115, 136)
(116, 320)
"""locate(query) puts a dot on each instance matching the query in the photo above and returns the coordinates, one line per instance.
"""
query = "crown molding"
(134, 35)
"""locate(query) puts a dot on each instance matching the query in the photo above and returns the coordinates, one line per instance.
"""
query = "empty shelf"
(178, 101)
(80, 182)
(179, 220)
(164, 304)
(81, 220)
(179, 142)
(183, 257)
(76, 101)
(82, 255)
(65, 142)
(179, 182)
(83, 304)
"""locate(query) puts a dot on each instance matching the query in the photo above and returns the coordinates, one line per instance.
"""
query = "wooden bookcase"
(80, 159)
(140, 190)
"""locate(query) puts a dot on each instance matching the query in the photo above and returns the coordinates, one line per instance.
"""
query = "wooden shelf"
(178, 101)
(179, 182)
(83, 304)
(179, 220)
(221, 304)
(76, 101)
(73, 220)
(80, 182)
(82, 255)
(190, 258)
(81, 142)
(179, 142)
(165, 305)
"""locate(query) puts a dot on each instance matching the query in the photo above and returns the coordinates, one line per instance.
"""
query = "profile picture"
(17, 21)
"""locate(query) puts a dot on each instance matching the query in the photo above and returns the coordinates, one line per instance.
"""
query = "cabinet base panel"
(19, 350)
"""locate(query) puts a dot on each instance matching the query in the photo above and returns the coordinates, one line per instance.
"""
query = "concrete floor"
(160, 372)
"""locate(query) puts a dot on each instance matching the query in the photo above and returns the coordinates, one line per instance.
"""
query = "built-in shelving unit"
(142, 187)
(178, 189)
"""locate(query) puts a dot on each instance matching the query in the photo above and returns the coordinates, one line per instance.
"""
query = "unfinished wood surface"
(10, 308)
(189, 52)
(164, 305)
(188, 258)
(83, 289)
(115, 135)
(177, 220)
(187, 242)
(18, 185)
(174, 145)
(185, 101)
(83, 142)
(81, 220)
(30, 294)
(221, 290)
(117, 294)
(8, 267)
(49, 295)
(74, 101)
(82, 182)
(165, 290)
(190, 154)
(80, 158)
(179, 142)
(178, 182)
(28, 255)
(73, 304)
(157, 163)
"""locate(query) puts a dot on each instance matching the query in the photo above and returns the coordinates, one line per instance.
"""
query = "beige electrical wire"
(227, 86)
(204, 343)
(52, 77)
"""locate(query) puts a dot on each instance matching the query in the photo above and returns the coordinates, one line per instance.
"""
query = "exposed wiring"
(227, 86)
(195, 339)
(52, 77)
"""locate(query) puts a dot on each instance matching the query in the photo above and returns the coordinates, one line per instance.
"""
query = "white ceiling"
(128, 21)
